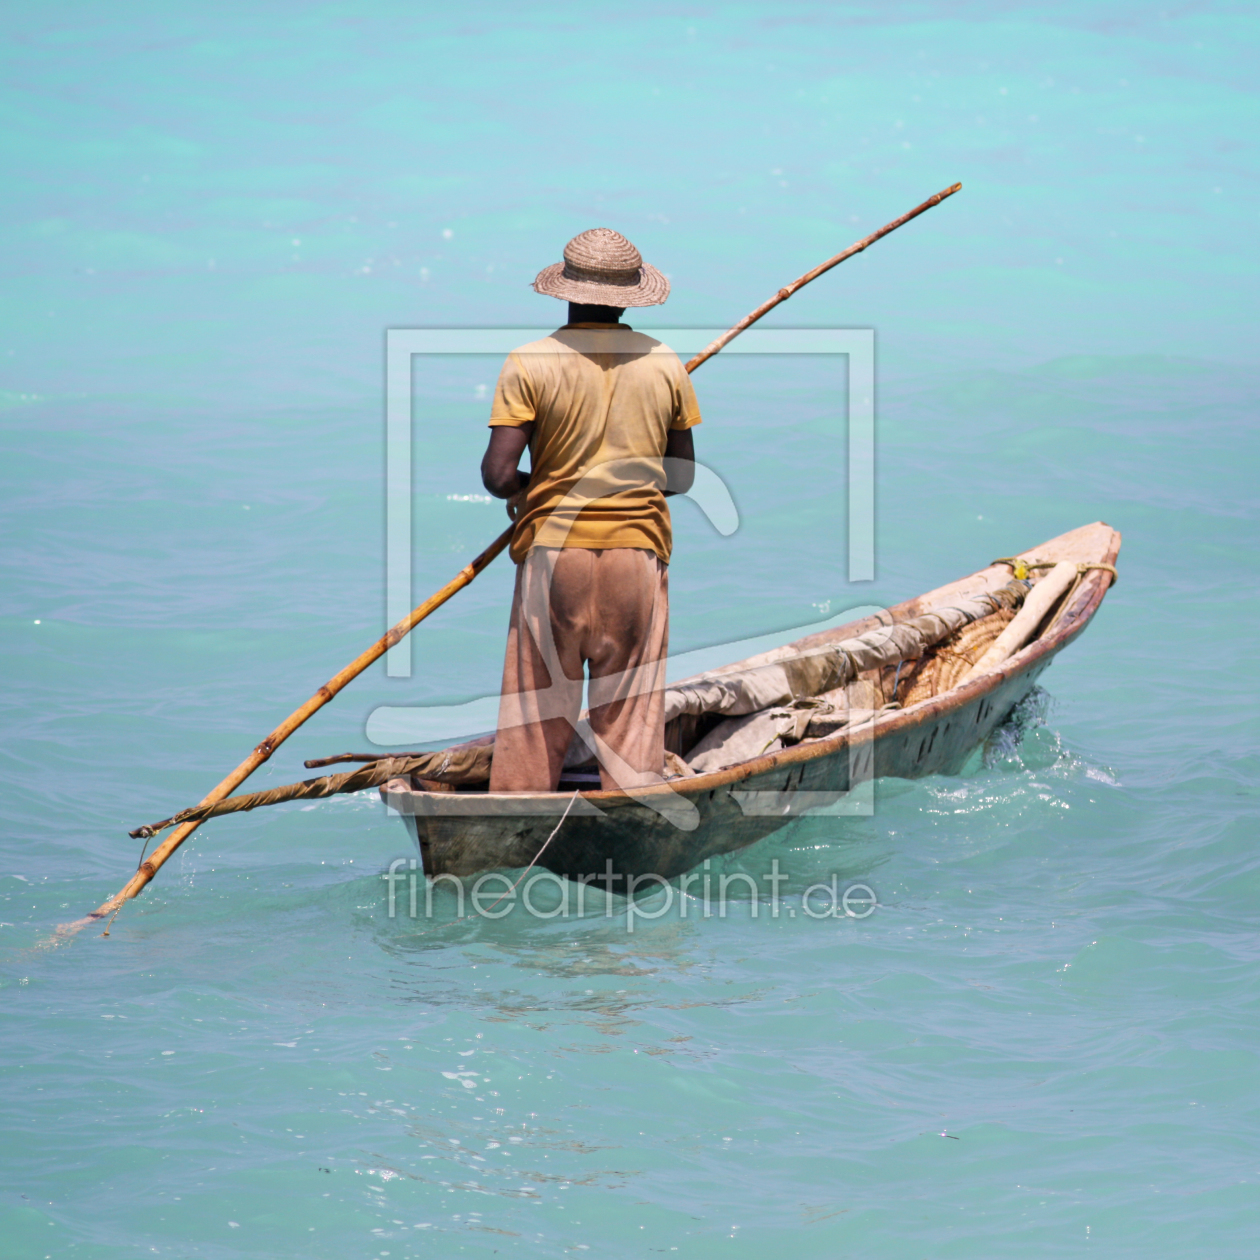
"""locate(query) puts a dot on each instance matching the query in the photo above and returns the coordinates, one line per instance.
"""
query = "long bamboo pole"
(786, 292)
(153, 863)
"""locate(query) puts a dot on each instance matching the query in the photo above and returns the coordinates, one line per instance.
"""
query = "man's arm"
(499, 472)
(680, 465)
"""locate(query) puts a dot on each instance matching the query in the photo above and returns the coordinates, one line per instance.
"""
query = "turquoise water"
(1043, 1040)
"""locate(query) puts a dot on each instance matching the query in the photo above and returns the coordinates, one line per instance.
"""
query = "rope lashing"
(1022, 568)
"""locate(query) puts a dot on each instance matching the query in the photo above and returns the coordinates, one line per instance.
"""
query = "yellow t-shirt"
(602, 399)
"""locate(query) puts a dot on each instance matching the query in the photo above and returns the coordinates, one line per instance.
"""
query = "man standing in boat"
(607, 415)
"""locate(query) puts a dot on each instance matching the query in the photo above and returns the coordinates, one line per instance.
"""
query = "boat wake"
(1003, 746)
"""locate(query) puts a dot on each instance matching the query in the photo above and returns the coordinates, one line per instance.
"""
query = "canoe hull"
(630, 839)
(665, 831)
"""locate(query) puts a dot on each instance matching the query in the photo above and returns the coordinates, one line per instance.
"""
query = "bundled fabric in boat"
(817, 694)
(740, 739)
(833, 665)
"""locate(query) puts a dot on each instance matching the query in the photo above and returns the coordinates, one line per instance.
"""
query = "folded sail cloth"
(812, 672)
(738, 739)
(463, 764)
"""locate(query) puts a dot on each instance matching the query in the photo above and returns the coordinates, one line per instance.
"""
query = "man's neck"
(581, 313)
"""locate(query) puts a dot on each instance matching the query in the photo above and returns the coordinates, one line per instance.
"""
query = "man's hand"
(680, 462)
(499, 472)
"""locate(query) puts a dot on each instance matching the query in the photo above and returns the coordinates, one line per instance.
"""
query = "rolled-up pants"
(609, 611)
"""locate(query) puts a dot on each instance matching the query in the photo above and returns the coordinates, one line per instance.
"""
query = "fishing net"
(945, 666)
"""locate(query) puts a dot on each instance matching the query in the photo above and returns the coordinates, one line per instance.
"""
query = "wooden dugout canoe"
(668, 829)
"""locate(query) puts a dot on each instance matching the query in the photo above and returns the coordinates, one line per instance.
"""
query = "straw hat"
(602, 268)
